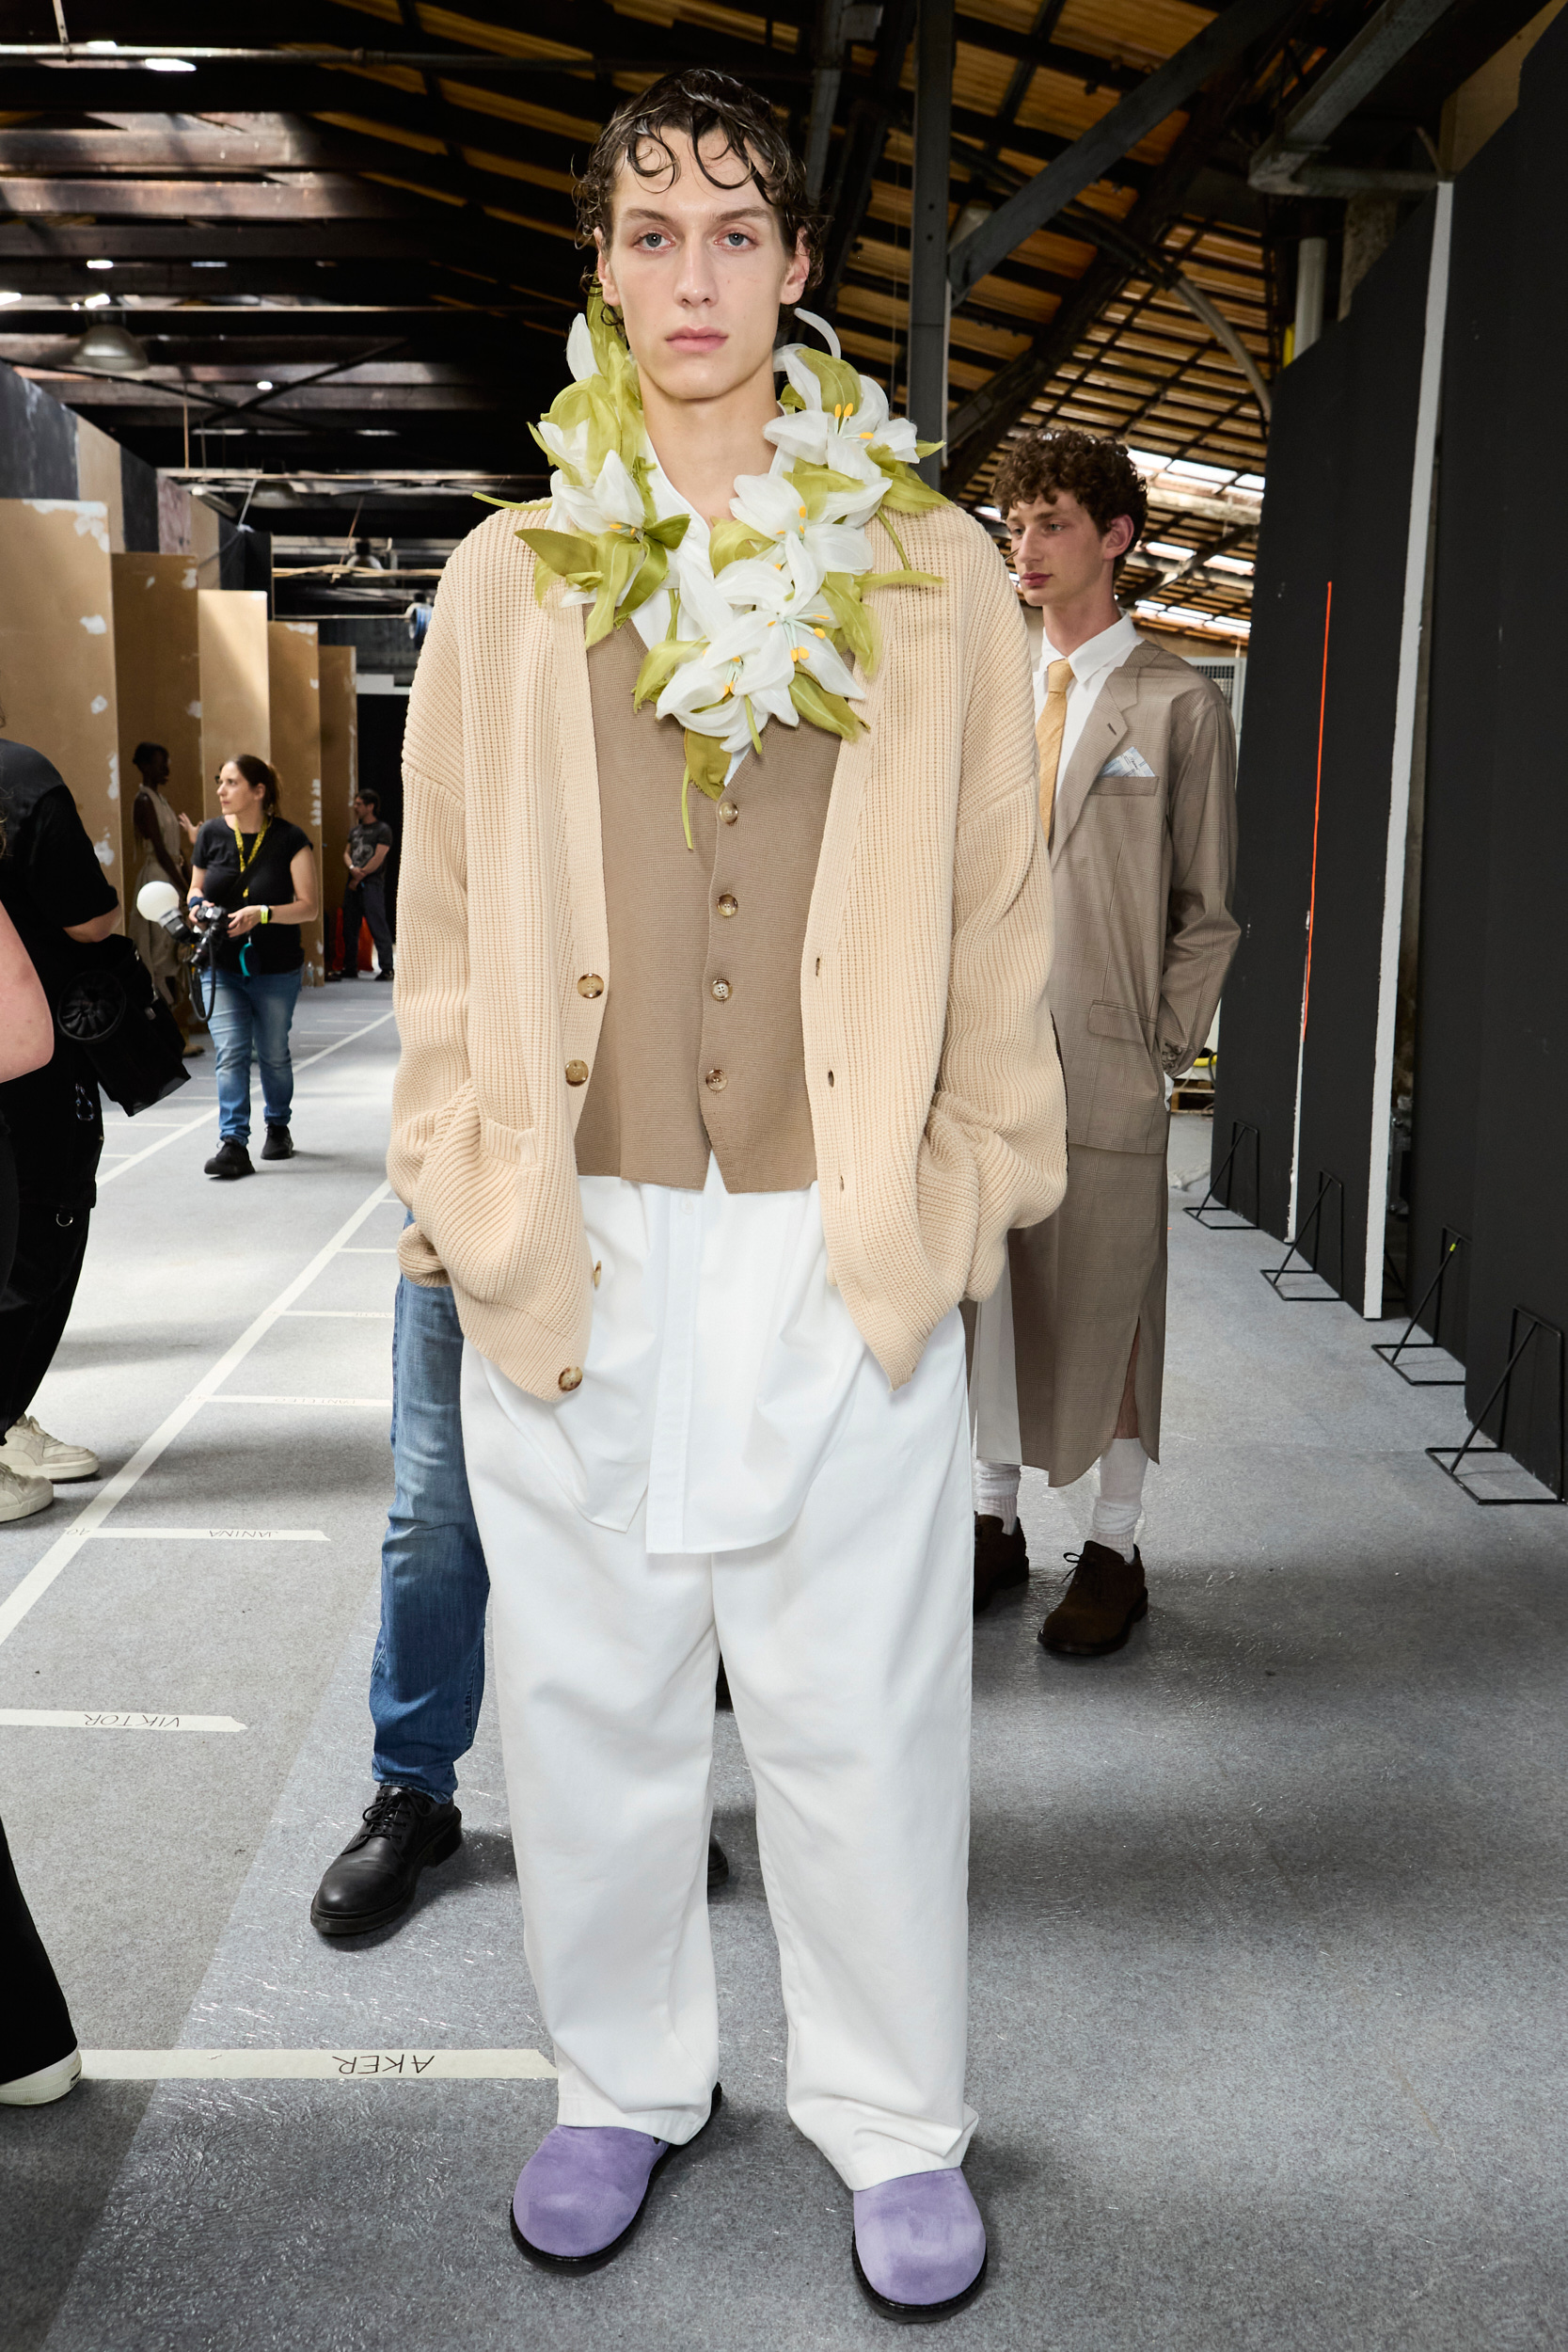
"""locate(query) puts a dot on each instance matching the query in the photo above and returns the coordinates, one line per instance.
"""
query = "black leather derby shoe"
(373, 1878)
(1000, 1561)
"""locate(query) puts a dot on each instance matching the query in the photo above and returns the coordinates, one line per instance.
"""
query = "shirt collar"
(668, 501)
(1099, 654)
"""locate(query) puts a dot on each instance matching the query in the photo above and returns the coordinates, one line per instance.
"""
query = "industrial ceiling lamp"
(106, 349)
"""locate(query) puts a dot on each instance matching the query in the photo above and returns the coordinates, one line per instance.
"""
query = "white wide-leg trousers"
(846, 1642)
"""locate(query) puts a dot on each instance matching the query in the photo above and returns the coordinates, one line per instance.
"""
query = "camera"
(201, 925)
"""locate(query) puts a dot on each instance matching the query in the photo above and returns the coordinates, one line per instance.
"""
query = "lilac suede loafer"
(920, 2245)
(581, 2193)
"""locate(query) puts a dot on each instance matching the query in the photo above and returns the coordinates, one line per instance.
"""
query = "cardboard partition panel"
(294, 695)
(236, 708)
(99, 476)
(158, 678)
(57, 655)
(340, 765)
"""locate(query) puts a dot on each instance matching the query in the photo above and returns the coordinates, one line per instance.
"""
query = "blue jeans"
(428, 1676)
(253, 1016)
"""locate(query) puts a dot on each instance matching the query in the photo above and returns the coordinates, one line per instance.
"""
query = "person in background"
(38, 2056)
(158, 827)
(370, 845)
(1138, 805)
(60, 901)
(261, 871)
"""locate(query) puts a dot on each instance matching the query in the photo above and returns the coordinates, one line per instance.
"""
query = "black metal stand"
(1516, 1348)
(1240, 1128)
(1391, 1350)
(1311, 1223)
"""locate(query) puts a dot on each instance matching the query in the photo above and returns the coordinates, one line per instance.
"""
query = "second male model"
(726, 1070)
(1138, 801)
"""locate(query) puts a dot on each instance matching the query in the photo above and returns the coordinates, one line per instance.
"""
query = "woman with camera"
(260, 872)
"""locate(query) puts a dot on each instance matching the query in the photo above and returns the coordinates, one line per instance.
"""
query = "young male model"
(726, 1069)
(1138, 801)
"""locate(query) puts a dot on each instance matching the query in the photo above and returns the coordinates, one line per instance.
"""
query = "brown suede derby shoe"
(1000, 1561)
(1100, 1605)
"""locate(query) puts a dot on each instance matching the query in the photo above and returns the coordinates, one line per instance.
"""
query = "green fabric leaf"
(670, 533)
(649, 580)
(563, 551)
(816, 485)
(731, 542)
(870, 581)
(839, 379)
(708, 763)
(828, 711)
(659, 664)
(621, 560)
(860, 626)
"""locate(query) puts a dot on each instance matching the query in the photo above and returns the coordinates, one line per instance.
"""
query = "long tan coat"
(1142, 853)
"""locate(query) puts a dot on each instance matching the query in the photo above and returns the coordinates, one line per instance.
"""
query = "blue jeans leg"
(427, 1680)
(252, 1015)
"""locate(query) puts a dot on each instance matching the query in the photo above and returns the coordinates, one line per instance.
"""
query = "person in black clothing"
(261, 871)
(370, 845)
(38, 2057)
(56, 894)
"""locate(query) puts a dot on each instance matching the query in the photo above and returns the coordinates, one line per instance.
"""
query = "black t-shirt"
(49, 873)
(363, 843)
(265, 880)
(49, 877)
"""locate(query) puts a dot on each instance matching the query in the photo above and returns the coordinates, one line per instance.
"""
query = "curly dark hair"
(698, 103)
(1097, 471)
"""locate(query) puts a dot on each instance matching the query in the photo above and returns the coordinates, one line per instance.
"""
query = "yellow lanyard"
(239, 844)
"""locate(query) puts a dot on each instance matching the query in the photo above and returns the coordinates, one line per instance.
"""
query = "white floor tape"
(84, 1719)
(231, 1396)
(213, 1534)
(272, 2066)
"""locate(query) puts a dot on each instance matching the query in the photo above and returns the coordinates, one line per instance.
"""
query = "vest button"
(721, 991)
(591, 985)
(715, 1082)
(571, 1378)
(729, 903)
(577, 1073)
(728, 811)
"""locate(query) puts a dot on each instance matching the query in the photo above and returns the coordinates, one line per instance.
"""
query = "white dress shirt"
(1092, 664)
(722, 1358)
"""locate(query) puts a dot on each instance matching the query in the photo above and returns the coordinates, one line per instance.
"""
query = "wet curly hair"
(1097, 471)
(699, 103)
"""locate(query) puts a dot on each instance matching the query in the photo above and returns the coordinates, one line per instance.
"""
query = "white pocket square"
(1127, 764)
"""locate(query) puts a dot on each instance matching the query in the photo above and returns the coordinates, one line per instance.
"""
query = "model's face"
(1059, 552)
(697, 271)
(239, 799)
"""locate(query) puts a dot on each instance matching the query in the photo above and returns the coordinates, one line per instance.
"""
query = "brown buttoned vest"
(700, 1042)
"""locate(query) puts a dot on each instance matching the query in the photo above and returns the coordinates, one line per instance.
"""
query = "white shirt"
(1092, 664)
(723, 1360)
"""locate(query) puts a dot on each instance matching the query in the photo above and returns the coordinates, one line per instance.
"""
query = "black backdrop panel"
(1378, 352)
(1340, 452)
(1521, 1197)
(1261, 1019)
(1462, 720)
(381, 721)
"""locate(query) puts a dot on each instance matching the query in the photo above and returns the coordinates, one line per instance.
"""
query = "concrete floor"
(1268, 1971)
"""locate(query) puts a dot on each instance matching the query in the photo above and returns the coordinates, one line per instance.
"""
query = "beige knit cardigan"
(936, 1094)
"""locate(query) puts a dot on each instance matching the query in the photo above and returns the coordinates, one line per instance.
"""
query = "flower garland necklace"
(777, 611)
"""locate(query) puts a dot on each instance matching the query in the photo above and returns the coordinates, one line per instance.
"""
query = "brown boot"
(1000, 1561)
(1100, 1605)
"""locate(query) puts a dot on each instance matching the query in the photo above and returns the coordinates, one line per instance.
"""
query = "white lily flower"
(769, 504)
(579, 351)
(749, 661)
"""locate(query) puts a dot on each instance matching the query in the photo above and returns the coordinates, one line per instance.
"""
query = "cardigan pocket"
(470, 1198)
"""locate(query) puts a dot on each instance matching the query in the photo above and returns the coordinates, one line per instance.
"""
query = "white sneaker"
(21, 1496)
(32, 1452)
(50, 2082)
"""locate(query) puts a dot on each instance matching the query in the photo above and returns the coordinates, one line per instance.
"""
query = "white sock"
(1119, 1503)
(996, 1492)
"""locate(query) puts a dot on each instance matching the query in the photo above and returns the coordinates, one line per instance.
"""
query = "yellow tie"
(1048, 735)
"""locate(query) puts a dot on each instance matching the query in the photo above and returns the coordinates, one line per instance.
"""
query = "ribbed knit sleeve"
(433, 950)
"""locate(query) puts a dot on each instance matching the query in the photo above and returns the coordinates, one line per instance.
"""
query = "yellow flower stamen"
(819, 632)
